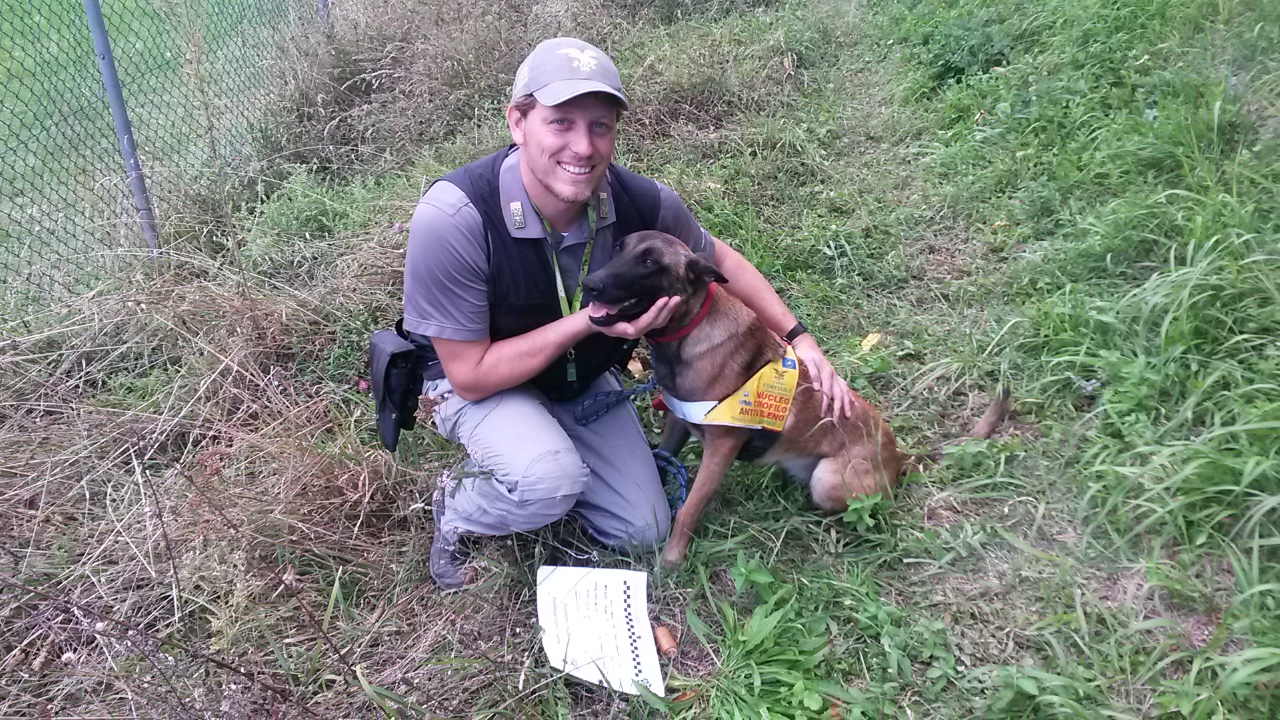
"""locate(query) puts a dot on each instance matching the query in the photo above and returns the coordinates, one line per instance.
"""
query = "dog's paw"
(672, 557)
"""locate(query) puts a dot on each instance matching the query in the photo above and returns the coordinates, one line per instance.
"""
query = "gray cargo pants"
(530, 464)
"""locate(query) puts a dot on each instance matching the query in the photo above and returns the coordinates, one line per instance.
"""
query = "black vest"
(522, 283)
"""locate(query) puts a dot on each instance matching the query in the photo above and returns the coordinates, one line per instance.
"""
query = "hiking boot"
(448, 560)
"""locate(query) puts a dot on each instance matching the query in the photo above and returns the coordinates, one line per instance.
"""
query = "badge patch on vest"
(763, 402)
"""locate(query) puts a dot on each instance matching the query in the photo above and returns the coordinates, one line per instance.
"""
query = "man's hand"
(657, 316)
(836, 394)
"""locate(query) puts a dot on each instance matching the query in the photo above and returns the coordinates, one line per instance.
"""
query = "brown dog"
(726, 345)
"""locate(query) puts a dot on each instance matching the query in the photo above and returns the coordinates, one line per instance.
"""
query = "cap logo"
(584, 60)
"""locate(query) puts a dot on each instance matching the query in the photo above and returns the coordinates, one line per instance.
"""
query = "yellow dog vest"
(762, 403)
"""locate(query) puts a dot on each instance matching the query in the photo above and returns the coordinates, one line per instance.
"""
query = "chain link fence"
(198, 78)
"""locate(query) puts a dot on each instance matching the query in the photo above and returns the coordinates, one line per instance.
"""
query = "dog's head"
(646, 266)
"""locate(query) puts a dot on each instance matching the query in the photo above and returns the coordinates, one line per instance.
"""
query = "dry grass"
(176, 473)
(170, 468)
(178, 459)
(399, 75)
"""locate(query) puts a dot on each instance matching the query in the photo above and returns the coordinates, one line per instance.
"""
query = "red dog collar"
(697, 320)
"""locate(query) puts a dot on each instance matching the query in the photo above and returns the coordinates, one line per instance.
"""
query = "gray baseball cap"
(561, 69)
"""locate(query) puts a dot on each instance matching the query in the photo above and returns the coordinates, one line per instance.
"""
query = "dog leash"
(675, 476)
(596, 406)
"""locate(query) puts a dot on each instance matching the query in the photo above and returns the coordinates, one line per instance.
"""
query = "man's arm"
(479, 368)
(748, 285)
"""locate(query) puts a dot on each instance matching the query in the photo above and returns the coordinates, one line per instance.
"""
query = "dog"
(709, 349)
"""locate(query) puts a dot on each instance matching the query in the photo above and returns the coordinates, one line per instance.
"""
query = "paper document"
(595, 626)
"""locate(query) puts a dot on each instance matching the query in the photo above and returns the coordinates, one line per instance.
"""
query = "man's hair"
(525, 103)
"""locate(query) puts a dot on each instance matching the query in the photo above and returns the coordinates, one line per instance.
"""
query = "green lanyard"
(567, 308)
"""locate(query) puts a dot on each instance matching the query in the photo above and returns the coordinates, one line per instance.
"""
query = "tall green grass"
(1120, 154)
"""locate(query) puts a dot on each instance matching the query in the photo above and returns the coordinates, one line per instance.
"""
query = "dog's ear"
(702, 273)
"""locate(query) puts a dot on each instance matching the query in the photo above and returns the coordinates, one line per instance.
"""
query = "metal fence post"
(124, 131)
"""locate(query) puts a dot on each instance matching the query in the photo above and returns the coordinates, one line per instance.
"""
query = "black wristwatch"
(794, 333)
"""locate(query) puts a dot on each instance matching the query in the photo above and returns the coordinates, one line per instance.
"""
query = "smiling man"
(493, 301)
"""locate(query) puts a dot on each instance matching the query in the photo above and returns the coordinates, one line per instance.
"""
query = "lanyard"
(567, 308)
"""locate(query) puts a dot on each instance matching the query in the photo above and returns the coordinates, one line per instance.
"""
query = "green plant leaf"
(760, 627)
(651, 698)
(1028, 686)
(812, 700)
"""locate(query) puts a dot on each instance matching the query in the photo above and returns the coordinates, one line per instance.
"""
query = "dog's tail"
(987, 424)
(995, 414)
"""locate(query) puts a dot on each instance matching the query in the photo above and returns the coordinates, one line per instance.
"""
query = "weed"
(867, 512)
(765, 661)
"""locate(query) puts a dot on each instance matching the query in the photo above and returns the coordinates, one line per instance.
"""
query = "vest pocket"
(509, 319)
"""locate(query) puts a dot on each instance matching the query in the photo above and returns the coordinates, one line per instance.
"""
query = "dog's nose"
(593, 283)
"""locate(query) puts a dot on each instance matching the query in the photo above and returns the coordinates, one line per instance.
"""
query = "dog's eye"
(647, 262)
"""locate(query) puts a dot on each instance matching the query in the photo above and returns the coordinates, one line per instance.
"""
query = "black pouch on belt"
(397, 382)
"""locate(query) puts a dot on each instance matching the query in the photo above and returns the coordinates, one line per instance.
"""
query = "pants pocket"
(552, 474)
(446, 405)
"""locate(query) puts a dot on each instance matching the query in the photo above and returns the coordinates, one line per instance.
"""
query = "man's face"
(566, 148)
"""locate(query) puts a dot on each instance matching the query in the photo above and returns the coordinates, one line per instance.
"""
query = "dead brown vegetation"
(396, 75)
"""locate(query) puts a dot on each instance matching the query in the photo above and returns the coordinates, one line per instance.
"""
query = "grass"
(1077, 198)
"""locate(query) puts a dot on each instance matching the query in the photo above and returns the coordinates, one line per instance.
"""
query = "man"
(511, 352)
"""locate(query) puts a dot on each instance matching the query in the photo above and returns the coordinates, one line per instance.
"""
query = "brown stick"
(994, 415)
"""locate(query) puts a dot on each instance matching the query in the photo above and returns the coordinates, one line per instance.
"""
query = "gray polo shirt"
(446, 275)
